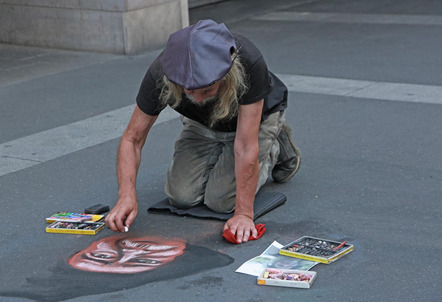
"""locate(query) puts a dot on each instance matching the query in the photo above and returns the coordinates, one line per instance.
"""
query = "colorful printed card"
(73, 217)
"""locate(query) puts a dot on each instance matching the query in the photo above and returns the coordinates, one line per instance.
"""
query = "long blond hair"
(232, 87)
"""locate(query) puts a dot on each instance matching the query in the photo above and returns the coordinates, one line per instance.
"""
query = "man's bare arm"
(246, 171)
(128, 162)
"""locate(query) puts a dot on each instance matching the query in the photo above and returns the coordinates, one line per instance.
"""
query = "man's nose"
(199, 97)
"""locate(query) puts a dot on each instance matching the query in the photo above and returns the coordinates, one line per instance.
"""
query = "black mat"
(264, 202)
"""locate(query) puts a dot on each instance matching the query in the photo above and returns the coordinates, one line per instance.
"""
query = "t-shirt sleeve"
(148, 98)
(259, 82)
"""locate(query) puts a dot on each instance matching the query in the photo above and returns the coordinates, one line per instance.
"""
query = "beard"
(204, 101)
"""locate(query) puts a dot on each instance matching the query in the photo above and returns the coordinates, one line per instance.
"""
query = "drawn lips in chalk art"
(117, 263)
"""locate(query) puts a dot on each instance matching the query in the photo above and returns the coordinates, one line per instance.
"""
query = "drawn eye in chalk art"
(127, 255)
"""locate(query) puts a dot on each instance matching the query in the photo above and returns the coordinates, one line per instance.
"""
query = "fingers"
(114, 223)
(110, 222)
(119, 222)
(241, 235)
(242, 228)
(121, 217)
(248, 232)
(130, 219)
(254, 232)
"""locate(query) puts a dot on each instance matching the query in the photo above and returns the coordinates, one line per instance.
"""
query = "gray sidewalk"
(19, 64)
(365, 93)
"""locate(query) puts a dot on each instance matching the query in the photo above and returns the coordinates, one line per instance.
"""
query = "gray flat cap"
(198, 55)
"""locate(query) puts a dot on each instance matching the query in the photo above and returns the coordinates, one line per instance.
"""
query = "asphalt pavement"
(365, 106)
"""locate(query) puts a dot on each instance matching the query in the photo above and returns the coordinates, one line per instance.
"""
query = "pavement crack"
(27, 159)
(362, 88)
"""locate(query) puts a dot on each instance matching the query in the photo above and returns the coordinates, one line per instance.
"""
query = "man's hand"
(242, 227)
(123, 214)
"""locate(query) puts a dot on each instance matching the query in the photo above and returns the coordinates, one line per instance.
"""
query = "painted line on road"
(364, 89)
(40, 147)
(351, 18)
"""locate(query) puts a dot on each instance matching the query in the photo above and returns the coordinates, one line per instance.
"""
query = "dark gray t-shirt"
(262, 85)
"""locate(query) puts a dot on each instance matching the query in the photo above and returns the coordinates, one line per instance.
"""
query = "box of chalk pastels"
(69, 227)
(315, 249)
(287, 278)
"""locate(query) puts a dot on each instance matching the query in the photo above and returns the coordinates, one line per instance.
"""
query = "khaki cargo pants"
(203, 165)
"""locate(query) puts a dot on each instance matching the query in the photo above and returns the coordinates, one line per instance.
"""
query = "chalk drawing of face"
(127, 255)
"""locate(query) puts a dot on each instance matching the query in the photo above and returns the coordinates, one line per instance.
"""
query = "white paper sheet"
(271, 258)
